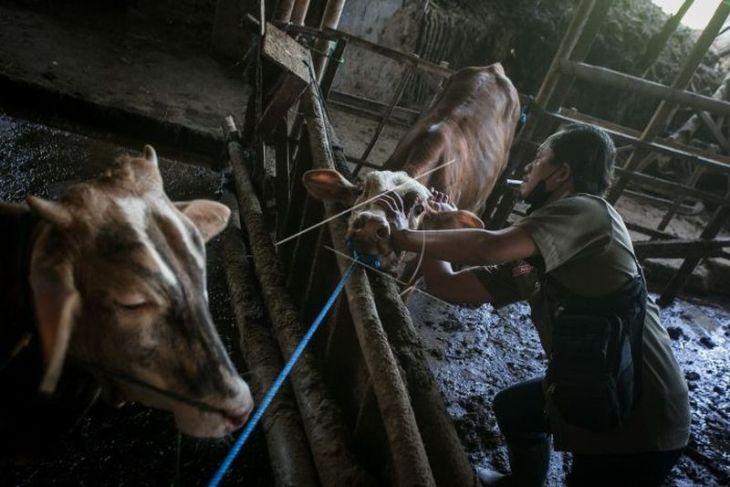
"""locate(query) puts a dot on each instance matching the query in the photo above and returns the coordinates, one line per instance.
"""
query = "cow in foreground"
(112, 278)
(468, 131)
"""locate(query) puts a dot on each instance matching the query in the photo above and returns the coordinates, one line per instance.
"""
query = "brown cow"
(468, 129)
(112, 278)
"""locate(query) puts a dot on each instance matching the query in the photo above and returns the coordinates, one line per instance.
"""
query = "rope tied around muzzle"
(358, 258)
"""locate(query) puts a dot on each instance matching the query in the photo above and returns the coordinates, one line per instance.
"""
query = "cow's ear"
(208, 216)
(51, 211)
(330, 185)
(453, 219)
(56, 302)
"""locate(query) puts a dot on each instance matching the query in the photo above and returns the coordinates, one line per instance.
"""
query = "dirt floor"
(128, 63)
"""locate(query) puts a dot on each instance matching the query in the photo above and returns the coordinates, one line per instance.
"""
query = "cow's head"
(119, 283)
(369, 224)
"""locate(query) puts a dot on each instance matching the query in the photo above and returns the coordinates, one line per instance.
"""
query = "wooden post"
(409, 456)
(663, 113)
(291, 460)
(331, 445)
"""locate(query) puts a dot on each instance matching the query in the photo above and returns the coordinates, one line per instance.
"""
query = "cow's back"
(470, 126)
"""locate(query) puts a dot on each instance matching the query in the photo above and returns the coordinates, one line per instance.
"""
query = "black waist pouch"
(590, 378)
(593, 378)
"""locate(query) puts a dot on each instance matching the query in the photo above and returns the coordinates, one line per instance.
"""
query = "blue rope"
(372, 261)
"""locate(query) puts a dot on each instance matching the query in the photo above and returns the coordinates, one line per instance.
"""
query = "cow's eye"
(418, 209)
(133, 306)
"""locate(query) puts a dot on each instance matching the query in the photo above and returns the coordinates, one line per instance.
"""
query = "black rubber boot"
(529, 467)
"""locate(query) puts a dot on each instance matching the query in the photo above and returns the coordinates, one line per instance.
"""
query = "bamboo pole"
(328, 437)
(299, 12)
(284, 10)
(330, 20)
(410, 462)
(665, 110)
(445, 452)
(656, 44)
(291, 460)
(640, 86)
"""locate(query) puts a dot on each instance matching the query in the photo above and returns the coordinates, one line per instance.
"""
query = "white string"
(389, 276)
(290, 237)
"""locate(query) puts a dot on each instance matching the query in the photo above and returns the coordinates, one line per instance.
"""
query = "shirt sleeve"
(507, 283)
(568, 227)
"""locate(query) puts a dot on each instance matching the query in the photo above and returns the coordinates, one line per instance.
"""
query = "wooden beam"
(656, 44)
(615, 79)
(411, 59)
(679, 249)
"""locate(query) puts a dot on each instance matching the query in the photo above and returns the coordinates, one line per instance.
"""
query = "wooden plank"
(639, 86)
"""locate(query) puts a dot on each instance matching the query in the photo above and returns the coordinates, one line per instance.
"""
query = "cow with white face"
(116, 283)
(369, 223)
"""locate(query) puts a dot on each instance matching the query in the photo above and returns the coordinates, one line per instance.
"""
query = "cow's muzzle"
(370, 234)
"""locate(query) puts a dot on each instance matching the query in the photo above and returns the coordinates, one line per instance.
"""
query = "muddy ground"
(131, 64)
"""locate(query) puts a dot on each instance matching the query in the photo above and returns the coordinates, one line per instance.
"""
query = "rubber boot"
(529, 467)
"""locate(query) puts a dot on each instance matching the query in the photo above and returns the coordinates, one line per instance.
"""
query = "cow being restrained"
(458, 147)
(111, 279)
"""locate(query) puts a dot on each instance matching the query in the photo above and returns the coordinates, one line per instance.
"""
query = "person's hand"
(440, 202)
(395, 212)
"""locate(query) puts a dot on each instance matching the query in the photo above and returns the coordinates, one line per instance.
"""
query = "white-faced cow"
(112, 277)
(468, 130)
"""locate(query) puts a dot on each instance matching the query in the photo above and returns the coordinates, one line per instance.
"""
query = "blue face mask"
(539, 194)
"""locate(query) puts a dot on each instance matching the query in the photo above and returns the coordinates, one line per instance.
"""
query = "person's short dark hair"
(590, 154)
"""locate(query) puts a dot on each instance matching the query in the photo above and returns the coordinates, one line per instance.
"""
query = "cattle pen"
(363, 407)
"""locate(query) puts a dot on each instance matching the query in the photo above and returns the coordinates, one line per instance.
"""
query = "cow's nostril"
(358, 224)
(383, 232)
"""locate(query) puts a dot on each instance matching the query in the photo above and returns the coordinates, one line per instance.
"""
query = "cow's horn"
(150, 154)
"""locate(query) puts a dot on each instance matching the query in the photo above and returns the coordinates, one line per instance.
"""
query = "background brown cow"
(468, 130)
